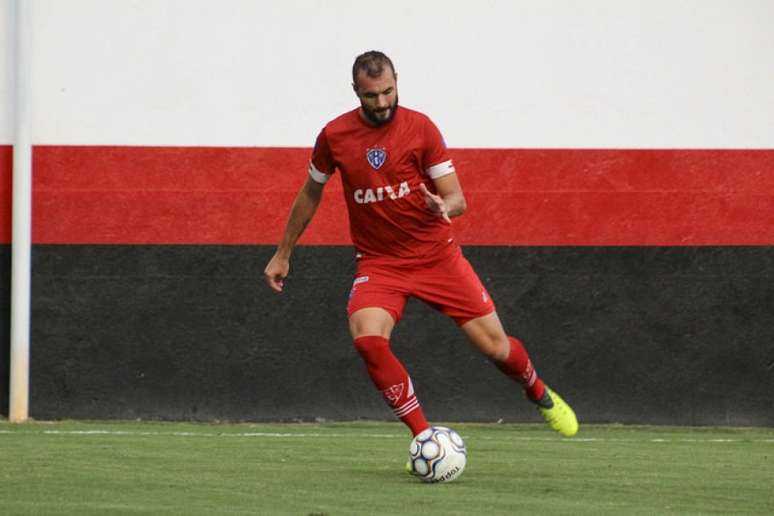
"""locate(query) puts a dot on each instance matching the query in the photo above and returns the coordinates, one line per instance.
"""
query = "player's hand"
(436, 203)
(276, 272)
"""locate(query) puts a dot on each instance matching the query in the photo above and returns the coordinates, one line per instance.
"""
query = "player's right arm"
(301, 214)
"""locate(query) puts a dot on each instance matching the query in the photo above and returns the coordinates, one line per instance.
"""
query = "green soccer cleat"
(558, 414)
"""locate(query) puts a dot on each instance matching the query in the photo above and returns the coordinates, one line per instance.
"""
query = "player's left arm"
(449, 201)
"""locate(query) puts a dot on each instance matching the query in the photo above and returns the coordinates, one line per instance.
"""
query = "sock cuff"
(515, 343)
(369, 342)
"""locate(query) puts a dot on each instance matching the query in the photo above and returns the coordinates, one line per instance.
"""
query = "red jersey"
(381, 169)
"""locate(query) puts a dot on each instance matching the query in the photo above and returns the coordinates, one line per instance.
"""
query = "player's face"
(378, 97)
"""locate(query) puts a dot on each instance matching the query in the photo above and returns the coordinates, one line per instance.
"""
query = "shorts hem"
(394, 314)
(461, 321)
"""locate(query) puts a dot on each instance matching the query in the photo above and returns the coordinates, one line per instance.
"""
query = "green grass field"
(90, 468)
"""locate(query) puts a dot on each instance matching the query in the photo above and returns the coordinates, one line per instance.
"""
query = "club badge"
(376, 157)
(392, 394)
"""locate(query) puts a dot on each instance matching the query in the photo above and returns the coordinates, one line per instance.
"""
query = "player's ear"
(354, 88)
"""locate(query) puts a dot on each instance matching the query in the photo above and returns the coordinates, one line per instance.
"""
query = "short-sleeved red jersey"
(381, 169)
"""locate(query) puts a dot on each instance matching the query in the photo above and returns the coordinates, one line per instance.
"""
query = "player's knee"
(494, 348)
(371, 321)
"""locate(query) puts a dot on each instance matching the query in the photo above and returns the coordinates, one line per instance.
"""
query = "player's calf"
(392, 380)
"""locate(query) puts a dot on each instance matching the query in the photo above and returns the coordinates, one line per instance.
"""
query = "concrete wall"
(558, 73)
(170, 137)
(637, 335)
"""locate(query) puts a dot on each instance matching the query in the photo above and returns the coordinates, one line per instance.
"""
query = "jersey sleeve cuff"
(318, 176)
(440, 170)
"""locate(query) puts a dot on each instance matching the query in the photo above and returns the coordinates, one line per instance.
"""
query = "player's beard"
(373, 115)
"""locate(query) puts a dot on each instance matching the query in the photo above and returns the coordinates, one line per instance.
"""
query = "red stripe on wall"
(174, 195)
(163, 195)
(6, 171)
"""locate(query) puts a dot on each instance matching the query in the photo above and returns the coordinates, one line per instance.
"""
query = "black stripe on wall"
(662, 335)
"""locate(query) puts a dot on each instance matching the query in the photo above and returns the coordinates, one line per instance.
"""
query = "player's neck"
(373, 125)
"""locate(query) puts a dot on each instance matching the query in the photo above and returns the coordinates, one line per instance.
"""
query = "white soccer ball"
(437, 455)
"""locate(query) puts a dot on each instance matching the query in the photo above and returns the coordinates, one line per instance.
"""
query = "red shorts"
(448, 284)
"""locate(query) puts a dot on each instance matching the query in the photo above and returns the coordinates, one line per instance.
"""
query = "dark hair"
(372, 63)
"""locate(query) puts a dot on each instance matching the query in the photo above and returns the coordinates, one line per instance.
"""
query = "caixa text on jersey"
(367, 195)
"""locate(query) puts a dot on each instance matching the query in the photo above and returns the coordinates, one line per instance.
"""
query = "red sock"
(391, 378)
(519, 367)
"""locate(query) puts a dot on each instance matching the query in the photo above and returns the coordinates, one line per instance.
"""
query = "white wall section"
(516, 73)
(6, 72)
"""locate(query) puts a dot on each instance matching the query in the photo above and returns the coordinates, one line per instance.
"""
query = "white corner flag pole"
(21, 242)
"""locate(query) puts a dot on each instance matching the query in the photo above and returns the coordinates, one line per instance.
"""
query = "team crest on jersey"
(376, 157)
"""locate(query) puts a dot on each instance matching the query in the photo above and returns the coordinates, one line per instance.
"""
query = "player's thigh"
(371, 321)
(487, 335)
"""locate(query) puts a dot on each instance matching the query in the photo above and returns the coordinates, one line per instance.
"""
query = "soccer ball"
(437, 455)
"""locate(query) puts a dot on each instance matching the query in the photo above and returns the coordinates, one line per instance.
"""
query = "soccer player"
(402, 191)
